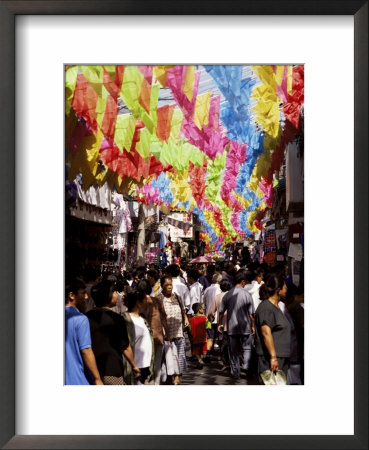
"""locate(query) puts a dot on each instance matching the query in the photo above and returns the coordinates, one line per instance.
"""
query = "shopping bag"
(170, 360)
(270, 377)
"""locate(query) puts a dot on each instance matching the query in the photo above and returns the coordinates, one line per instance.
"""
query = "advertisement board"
(180, 225)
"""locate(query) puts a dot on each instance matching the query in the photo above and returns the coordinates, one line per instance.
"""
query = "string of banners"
(205, 140)
(179, 224)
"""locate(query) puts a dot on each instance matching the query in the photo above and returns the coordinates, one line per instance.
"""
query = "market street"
(184, 224)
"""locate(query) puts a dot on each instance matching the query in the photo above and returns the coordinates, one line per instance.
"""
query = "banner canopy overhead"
(200, 139)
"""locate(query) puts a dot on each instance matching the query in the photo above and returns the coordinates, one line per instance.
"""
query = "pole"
(141, 236)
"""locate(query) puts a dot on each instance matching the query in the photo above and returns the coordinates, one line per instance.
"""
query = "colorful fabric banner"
(213, 152)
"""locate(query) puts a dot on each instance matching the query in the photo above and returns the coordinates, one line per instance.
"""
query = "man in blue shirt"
(79, 357)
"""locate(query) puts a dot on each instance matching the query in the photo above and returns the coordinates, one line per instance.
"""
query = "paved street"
(211, 373)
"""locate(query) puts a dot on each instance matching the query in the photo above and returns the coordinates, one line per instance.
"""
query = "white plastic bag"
(273, 378)
(170, 364)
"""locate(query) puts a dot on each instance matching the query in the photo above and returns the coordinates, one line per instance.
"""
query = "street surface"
(211, 373)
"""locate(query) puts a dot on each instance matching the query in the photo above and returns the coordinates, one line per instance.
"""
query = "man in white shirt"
(254, 287)
(178, 286)
(196, 289)
(209, 296)
(211, 292)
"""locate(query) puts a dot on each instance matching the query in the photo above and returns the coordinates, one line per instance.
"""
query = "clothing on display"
(295, 251)
(281, 240)
(184, 250)
(269, 241)
(99, 196)
(169, 255)
(163, 230)
(162, 239)
(295, 231)
(162, 260)
(151, 255)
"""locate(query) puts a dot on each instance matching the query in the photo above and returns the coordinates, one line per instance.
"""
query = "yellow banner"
(201, 116)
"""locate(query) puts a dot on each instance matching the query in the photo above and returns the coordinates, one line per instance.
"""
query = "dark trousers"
(224, 351)
(240, 345)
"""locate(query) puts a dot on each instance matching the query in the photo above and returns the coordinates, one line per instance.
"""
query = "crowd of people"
(132, 328)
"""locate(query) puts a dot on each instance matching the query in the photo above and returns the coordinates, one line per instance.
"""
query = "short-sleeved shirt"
(143, 346)
(239, 306)
(214, 307)
(109, 337)
(268, 314)
(182, 290)
(253, 288)
(209, 296)
(77, 338)
(195, 295)
(155, 314)
(198, 326)
(228, 277)
(174, 316)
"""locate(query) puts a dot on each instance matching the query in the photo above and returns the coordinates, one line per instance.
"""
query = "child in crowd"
(198, 326)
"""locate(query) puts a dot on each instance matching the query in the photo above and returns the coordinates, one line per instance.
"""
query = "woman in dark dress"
(109, 335)
(273, 331)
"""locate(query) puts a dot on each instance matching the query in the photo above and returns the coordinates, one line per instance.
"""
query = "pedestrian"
(154, 280)
(80, 362)
(273, 330)
(212, 291)
(199, 324)
(177, 321)
(203, 280)
(229, 272)
(138, 274)
(183, 272)
(196, 289)
(127, 275)
(109, 335)
(294, 369)
(240, 324)
(237, 265)
(213, 315)
(255, 285)
(156, 317)
(120, 285)
(179, 287)
(90, 277)
(209, 296)
(245, 254)
(294, 311)
(140, 335)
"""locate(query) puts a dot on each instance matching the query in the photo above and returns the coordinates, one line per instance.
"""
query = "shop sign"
(180, 225)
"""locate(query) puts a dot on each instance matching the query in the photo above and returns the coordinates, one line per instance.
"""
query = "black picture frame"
(8, 12)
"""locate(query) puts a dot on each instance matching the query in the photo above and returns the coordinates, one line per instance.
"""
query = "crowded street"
(184, 225)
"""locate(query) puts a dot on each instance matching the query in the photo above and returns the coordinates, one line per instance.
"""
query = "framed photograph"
(37, 38)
